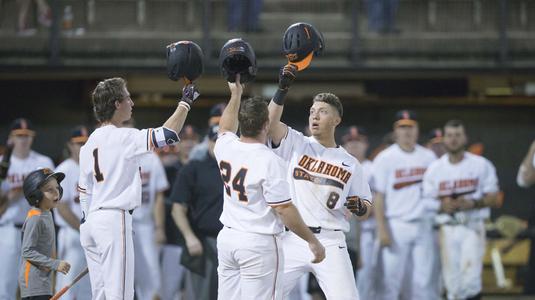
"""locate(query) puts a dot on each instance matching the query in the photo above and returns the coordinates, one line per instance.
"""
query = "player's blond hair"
(330, 99)
(253, 116)
(104, 96)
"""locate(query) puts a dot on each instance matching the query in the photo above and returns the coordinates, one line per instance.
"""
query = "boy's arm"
(29, 245)
(277, 129)
(229, 118)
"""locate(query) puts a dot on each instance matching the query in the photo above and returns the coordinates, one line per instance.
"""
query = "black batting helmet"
(35, 180)
(184, 60)
(300, 43)
(237, 57)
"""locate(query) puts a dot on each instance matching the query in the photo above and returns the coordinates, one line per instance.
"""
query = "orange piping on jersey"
(27, 273)
(32, 213)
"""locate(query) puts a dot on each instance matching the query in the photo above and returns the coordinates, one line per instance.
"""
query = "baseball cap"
(22, 126)
(215, 113)
(212, 132)
(79, 134)
(405, 118)
(355, 133)
(435, 135)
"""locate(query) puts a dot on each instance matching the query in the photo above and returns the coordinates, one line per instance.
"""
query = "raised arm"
(277, 129)
(176, 121)
(229, 118)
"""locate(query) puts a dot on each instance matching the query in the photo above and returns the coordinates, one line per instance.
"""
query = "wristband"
(185, 105)
(279, 96)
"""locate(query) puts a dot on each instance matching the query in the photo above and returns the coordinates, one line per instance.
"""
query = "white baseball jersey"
(254, 180)
(471, 178)
(398, 175)
(112, 155)
(367, 170)
(322, 180)
(19, 168)
(153, 180)
(71, 196)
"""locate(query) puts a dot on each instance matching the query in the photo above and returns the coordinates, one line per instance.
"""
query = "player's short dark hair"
(104, 96)
(330, 99)
(454, 123)
(253, 116)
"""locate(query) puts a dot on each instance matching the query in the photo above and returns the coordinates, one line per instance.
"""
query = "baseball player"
(356, 143)
(23, 161)
(67, 216)
(403, 227)
(153, 185)
(463, 186)
(324, 179)
(526, 171)
(256, 205)
(110, 184)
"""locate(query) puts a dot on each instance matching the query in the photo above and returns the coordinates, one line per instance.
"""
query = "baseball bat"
(66, 288)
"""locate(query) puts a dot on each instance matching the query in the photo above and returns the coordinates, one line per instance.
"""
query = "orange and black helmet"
(184, 60)
(300, 43)
(238, 57)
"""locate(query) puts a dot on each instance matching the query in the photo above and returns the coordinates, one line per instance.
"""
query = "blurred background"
(472, 60)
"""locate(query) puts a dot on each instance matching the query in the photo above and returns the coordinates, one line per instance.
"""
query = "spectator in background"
(200, 150)
(435, 142)
(526, 178)
(44, 16)
(188, 140)
(198, 202)
(171, 241)
(382, 16)
(243, 15)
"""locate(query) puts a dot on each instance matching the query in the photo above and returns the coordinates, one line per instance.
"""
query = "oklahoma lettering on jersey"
(110, 167)
(254, 179)
(321, 179)
(19, 168)
(398, 175)
(472, 178)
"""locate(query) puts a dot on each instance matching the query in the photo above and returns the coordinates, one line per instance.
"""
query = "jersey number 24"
(237, 182)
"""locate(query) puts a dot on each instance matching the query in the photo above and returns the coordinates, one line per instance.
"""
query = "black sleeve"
(184, 185)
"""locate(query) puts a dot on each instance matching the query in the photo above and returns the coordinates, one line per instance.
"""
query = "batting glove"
(356, 206)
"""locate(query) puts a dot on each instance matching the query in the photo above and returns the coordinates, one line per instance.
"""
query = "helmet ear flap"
(35, 197)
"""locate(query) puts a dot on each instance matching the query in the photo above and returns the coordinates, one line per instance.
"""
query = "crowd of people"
(424, 238)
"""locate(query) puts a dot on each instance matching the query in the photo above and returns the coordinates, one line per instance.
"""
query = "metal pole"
(54, 35)
(206, 38)
(503, 39)
(355, 36)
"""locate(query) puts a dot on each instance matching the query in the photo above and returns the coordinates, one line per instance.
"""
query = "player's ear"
(117, 104)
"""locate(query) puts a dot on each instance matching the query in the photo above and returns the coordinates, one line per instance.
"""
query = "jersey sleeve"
(276, 188)
(32, 230)
(359, 185)
(379, 174)
(489, 182)
(183, 187)
(430, 190)
(137, 141)
(293, 140)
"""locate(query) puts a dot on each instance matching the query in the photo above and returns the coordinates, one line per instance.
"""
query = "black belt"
(130, 211)
(19, 226)
(313, 229)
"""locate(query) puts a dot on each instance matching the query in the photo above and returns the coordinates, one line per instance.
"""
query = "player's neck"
(456, 157)
(22, 154)
(326, 141)
(252, 140)
(407, 147)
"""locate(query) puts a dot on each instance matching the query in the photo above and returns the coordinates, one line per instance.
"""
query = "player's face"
(406, 134)
(454, 139)
(357, 148)
(124, 107)
(50, 194)
(22, 142)
(74, 149)
(323, 118)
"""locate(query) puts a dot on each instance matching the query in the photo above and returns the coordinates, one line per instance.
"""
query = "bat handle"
(60, 293)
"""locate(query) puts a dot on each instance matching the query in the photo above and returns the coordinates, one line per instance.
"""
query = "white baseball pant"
(106, 237)
(334, 274)
(463, 247)
(10, 243)
(250, 265)
(367, 274)
(147, 270)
